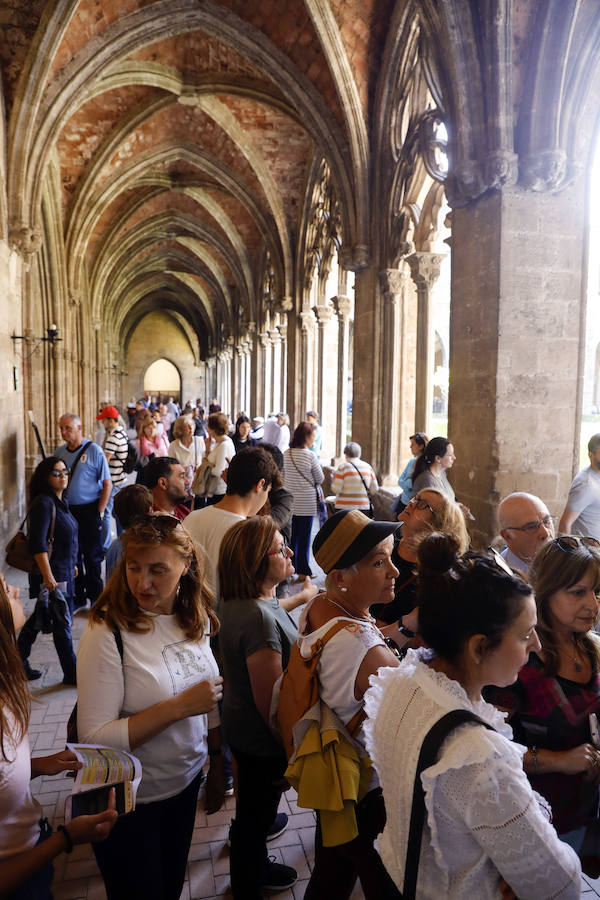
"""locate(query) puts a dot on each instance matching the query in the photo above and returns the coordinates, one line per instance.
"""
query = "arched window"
(162, 379)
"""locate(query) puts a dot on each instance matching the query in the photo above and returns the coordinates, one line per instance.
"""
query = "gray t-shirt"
(246, 627)
(584, 499)
(428, 480)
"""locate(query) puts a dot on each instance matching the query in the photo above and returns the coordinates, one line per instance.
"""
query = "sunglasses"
(567, 542)
(163, 523)
(60, 473)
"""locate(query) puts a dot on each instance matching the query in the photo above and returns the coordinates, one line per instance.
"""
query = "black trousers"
(91, 552)
(300, 543)
(145, 855)
(258, 794)
(337, 868)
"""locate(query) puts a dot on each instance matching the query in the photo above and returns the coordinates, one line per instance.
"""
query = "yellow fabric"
(344, 534)
(330, 777)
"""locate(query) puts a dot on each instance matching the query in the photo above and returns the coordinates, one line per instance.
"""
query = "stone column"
(516, 348)
(323, 315)
(275, 339)
(307, 339)
(425, 270)
(343, 307)
(265, 372)
(97, 326)
(284, 362)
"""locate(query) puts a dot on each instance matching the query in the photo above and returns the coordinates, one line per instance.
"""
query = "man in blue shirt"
(88, 493)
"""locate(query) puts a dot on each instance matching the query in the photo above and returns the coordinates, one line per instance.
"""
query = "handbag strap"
(76, 460)
(363, 481)
(427, 757)
(312, 483)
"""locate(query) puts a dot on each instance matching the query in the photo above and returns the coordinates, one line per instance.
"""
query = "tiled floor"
(208, 868)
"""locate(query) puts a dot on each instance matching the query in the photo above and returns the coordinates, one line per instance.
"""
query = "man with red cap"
(115, 449)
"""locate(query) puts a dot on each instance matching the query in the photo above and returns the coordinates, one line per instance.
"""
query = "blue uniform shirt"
(92, 469)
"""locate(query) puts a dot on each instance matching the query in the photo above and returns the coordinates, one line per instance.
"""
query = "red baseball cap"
(109, 412)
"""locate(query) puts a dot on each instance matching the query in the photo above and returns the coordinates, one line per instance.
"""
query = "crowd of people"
(437, 706)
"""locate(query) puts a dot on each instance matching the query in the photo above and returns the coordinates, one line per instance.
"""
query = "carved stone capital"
(342, 306)
(425, 268)
(283, 332)
(251, 327)
(356, 258)
(545, 171)
(501, 169)
(25, 240)
(75, 299)
(287, 304)
(392, 281)
(264, 340)
(323, 315)
(274, 336)
(96, 324)
(307, 321)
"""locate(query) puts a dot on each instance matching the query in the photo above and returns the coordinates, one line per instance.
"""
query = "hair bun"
(438, 552)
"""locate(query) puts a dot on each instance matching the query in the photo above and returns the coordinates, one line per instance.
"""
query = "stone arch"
(156, 388)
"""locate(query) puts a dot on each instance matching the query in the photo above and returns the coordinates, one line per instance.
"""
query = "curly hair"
(118, 608)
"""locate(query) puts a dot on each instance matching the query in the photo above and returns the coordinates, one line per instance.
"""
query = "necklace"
(365, 618)
(577, 664)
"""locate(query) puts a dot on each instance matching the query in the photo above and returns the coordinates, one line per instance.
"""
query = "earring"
(343, 590)
(177, 589)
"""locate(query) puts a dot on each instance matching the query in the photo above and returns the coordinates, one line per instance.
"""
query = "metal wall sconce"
(51, 336)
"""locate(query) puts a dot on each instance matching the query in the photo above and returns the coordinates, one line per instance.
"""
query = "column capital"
(307, 321)
(342, 306)
(96, 324)
(425, 268)
(264, 340)
(392, 281)
(323, 315)
(356, 258)
(274, 335)
(286, 305)
(25, 240)
(283, 331)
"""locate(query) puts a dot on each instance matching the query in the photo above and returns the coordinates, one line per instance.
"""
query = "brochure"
(103, 768)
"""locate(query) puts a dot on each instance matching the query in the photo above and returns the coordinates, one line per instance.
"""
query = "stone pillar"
(284, 362)
(275, 340)
(265, 373)
(307, 340)
(425, 270)
(97, 326)
(516, 348)
(343, 307)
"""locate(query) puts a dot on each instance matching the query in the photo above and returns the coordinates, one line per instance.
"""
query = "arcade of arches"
(257, 191)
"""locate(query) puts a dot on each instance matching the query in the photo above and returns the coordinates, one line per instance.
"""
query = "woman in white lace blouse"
(486, 830)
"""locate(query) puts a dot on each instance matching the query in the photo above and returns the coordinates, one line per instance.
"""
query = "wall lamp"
(51, 336)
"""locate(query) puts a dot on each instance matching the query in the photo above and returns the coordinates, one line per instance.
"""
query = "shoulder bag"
(319, 496)
(18, 554)
(370, 512)
(429, 751)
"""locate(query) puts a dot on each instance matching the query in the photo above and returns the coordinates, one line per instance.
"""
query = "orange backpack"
(299, 690)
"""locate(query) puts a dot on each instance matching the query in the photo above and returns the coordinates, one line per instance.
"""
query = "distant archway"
(162, 378)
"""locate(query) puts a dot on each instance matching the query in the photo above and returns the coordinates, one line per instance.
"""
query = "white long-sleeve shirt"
(156, 665)
(483, 821)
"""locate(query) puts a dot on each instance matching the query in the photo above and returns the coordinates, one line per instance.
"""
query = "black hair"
(275, 452)
(159, 467)
(239, 421)
(39, 480)
(437, 446)
(460, 596)
(132, 501)
(247, 468)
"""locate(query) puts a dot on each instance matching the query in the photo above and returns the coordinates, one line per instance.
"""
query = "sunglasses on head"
(568, 542)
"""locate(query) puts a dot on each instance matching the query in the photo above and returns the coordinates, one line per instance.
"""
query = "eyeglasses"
(567, 542)
(283, 550)
(532, 527)
(421, 504)
(163, 523)
(59, 473)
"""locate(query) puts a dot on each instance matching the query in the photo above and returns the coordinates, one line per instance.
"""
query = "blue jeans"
(58, 617)
(106, 538)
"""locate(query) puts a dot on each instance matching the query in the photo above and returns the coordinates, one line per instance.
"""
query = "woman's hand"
(50, 582)
(63, 761)
(582, 759)
(83, 829)
(200, 698)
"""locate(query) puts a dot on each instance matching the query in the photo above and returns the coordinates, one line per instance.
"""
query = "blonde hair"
(448, 518)
(143, 424)
(15, 699)
(178, 426)
(193, 605)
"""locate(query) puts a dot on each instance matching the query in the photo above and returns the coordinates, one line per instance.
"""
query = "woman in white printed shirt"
(353, 481)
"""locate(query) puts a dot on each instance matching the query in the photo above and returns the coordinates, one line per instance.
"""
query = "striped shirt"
(301, 474)
(347, 484)
(116, 443)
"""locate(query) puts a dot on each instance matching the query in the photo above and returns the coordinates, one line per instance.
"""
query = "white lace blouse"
(484, 822)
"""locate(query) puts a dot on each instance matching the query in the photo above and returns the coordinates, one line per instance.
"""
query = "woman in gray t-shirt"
(256, 637)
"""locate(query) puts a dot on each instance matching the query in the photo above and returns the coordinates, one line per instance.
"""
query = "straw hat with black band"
(347, 537)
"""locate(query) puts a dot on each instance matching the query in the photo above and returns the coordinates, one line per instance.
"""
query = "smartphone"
(92, 802)
(595, 730)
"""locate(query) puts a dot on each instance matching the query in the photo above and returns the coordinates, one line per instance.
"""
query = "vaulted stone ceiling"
(179, 136)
